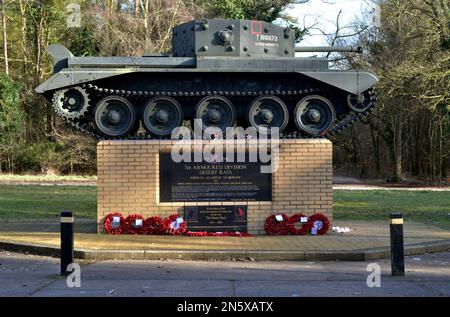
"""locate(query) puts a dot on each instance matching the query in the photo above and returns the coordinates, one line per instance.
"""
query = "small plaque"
(216, 218)
(175, 225)
(304, 219)
(318, 224)
(279, 218)
(115, 222)
(314, 231)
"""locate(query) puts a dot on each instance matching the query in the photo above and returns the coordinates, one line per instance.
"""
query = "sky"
(324, 12)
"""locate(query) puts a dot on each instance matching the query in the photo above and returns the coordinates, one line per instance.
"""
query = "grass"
(422, 206)
(36, 201)
(46, 201)
(43, 178)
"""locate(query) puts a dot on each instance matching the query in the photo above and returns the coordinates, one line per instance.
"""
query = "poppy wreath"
(305, 226)
(131, 227)
(274, 227)
(109, 229)
(153, 225)
(321, 222)
(168, 226)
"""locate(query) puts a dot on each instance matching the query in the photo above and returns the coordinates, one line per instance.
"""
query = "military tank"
(223, 72)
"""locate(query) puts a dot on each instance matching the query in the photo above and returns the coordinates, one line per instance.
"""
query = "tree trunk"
(432, 149)
(376, 151)
(23, 31)
(144, 9)
(38, 49)
(410, 143)
(418, 146)
(397, 163)
(357, 147)
(441, 154)
(5, 39)
(135, 8)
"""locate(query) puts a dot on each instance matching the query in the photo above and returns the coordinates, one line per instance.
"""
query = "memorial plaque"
(218, 181)
(216, 218)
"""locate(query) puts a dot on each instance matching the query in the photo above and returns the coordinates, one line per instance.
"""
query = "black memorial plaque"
(216, 218)
(219, 181)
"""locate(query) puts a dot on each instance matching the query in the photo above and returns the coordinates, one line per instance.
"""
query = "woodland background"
(406, 136)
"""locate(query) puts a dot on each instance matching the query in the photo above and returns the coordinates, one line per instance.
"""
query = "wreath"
(153, 225)
(305, 226)
(134, 224)
(319, 223)
(171, 225)
(274, 227)
(111, 226)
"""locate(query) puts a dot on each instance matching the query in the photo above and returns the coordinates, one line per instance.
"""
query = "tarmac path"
(27, 275)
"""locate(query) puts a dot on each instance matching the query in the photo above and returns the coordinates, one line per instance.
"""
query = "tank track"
(340, 125)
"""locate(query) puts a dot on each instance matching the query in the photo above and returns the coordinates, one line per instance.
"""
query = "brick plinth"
(128, 181)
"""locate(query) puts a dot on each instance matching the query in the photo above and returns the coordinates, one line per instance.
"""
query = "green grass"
(17, 202)
(423, 206)
(45, 178)
(47, 201)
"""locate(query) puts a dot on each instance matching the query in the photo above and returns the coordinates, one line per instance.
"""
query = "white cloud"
(324, 13)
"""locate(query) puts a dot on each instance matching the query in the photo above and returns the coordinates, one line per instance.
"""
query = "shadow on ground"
(46, 225)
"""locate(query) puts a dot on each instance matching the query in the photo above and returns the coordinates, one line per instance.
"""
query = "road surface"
(27, 275)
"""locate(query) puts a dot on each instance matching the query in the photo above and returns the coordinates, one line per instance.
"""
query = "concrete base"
(128, 180)
(368, 240)
(221, 255)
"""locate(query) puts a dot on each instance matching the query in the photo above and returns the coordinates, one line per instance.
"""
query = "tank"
(223, 72)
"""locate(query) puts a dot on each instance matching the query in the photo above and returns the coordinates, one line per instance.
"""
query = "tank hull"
(86, 70)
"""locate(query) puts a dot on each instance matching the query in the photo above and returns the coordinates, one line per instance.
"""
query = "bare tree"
(5, 38)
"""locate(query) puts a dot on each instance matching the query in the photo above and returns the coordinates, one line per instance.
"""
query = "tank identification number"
(267, 38)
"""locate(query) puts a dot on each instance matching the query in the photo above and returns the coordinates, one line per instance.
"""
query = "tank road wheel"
(161, 115)
(361, 103)
(71, 103)
(268, 112)
(216, 111)
(314, 115)
(114, 116)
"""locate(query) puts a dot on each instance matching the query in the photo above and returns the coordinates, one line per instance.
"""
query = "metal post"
(66, 241)
(397, 251)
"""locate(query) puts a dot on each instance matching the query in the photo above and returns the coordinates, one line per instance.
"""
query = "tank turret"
(232, 38)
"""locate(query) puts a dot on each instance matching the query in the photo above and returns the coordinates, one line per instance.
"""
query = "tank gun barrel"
(326, 49)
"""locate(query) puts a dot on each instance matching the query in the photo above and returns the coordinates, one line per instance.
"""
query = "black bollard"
(397, 250)
(66, 241)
